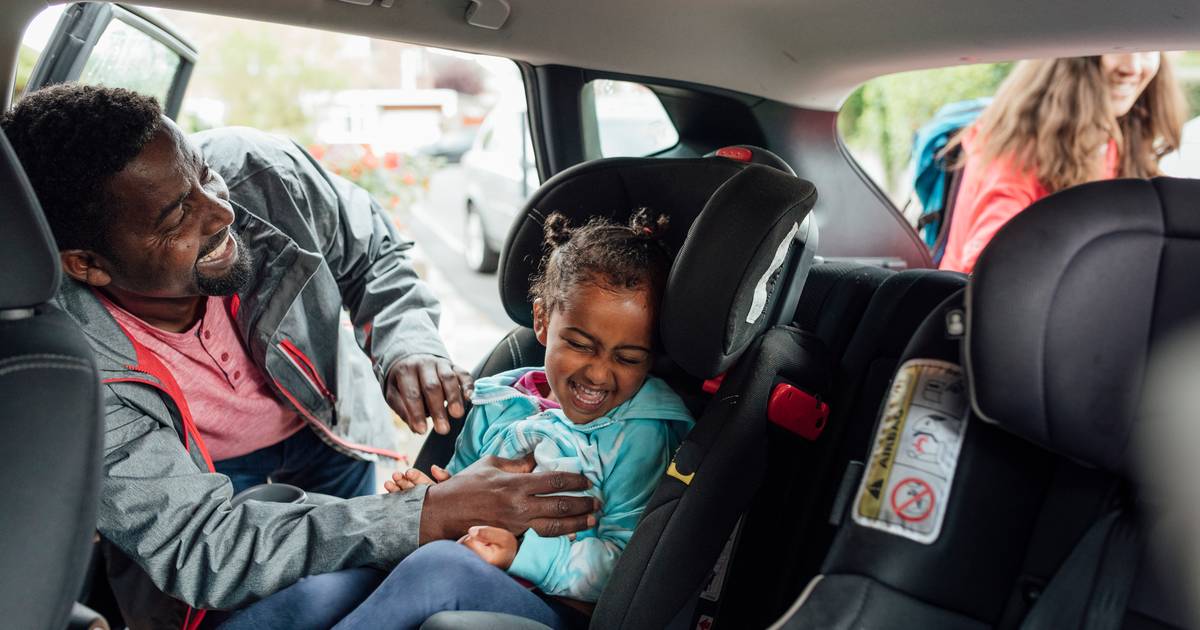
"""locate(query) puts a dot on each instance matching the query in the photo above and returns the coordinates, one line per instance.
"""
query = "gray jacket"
(318, 243)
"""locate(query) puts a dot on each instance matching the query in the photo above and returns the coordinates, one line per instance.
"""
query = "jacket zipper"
(306, 368)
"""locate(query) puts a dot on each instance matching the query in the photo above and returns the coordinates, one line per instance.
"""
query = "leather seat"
(51, 434)
(1041, 524)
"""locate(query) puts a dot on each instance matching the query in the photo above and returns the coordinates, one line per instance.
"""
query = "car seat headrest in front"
(1066, 303)
(29, 267)
(733, 216)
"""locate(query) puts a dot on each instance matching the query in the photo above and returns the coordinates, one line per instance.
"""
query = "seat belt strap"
(1092, 587)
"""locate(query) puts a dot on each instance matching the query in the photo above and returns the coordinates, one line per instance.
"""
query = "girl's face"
(1126, 75)
(597, 348)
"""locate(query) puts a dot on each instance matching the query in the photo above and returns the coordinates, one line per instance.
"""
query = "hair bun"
(556, 229)
(651, 228)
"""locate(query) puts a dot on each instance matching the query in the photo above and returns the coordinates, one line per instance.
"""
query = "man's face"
(170, 234)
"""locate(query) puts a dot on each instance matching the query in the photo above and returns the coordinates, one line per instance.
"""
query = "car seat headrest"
(29, 266)
(1066, 303)
(745, 219)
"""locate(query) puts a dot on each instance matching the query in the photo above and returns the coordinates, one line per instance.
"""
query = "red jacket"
(990, 194)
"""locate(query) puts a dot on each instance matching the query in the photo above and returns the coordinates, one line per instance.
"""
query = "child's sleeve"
(579, 569)
(468, 448)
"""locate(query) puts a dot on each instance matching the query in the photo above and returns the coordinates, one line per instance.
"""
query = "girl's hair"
(1052, 116)
(606, 254)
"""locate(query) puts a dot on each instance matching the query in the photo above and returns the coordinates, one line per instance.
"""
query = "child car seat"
(1037, 523)
(740, 233)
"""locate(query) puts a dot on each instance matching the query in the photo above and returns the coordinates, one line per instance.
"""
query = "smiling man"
(210, 274)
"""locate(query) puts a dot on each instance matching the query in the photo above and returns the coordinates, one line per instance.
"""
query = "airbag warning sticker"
(907, 484)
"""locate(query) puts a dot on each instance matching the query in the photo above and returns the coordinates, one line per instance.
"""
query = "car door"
(117, 46)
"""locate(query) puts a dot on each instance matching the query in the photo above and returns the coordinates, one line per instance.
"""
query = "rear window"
(624, 119)
(880, 120)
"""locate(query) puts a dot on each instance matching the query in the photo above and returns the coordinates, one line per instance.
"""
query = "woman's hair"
(1052, 116)
(603, 253)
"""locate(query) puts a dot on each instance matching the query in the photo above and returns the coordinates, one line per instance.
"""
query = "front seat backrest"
(50, 434)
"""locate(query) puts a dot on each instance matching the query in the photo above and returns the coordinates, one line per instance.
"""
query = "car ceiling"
(809, 53)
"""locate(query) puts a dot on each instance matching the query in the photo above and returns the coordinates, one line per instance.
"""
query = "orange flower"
(370, 161)
(356, 171)
(408, 179)
(391, 161)
(317, 150)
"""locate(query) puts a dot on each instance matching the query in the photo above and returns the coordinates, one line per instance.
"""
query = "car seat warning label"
(907, 484)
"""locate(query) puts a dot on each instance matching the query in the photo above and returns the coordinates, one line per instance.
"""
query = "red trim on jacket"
(149, 363)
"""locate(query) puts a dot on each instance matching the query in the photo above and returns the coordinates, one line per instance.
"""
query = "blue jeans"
(302, 460)
(440, 576)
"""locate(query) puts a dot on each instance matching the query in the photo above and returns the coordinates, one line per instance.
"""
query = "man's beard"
(234, 279)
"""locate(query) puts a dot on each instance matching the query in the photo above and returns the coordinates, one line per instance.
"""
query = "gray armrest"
(476, 620)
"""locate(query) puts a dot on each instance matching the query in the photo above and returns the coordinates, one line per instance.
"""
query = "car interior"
(802, 323)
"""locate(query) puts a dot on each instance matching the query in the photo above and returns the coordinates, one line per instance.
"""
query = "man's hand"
(412, 477)
(424, 386)
(496, 546)
(504, 493)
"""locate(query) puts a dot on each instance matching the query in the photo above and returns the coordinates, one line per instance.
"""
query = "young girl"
(593, 409)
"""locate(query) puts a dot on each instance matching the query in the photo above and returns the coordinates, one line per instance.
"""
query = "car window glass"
(399, 120)
(881, 122)
(128, 58)
(629, 119)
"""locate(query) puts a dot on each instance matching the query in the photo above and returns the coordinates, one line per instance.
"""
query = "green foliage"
(26, 59)
(261, 81)
(881, 117)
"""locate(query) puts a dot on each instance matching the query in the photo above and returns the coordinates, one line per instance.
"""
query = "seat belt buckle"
(797, 411)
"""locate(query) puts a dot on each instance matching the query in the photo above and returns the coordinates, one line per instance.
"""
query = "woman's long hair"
(1052, 117)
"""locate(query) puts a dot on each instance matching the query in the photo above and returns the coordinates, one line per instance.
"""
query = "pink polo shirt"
(228, 395)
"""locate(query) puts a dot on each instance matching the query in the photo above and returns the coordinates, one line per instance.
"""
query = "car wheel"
(479, 254)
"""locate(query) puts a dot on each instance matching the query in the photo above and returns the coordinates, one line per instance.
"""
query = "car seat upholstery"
(739, 231)
(865, 316)
(51, 438)
(1042, 526)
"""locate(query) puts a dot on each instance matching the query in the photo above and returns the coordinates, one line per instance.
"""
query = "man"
(214, 311)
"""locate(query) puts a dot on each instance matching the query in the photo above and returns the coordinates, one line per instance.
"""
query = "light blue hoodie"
(623, 454)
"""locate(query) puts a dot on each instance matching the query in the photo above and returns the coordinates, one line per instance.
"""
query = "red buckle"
(797, 411)
(740, 154)
(713, 384)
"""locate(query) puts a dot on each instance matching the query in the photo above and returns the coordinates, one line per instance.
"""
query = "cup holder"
(271, 493)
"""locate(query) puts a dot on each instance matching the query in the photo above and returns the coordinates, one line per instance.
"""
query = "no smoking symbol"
(912, 500)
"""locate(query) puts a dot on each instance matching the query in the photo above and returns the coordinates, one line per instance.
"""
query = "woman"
(1056, 123)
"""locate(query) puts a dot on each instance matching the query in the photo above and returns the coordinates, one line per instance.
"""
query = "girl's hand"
(496, 546)
(410, 478)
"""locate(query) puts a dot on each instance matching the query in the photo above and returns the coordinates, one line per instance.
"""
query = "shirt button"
(224, 356)
(207, 335)
(237, 375)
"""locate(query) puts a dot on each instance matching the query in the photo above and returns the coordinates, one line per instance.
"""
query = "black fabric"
(611, 188)
(1067, 301)
(50, 443)
(802, 484)
(685, 525)
(714, 305)
(733, 214)
(1092, 587)
(759, 155)
(29, 268)
(850, 602)
(997, 489)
